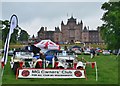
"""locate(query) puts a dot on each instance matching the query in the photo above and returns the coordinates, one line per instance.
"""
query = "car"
(10, 53)
(66, 59)
(87, 52)
(115, 52)
(106, 52)
(73, 48)
(66, 55)
(49, 54)
(23, 59)
(78, 52)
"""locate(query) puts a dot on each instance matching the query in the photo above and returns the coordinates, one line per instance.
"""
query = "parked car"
(66, 55)
(10, 53)
(73, 48)
(66, 59)
(78, 52)
(24, 58)
(49, 54)
(106, 52)
(87, 52)
(115, 52)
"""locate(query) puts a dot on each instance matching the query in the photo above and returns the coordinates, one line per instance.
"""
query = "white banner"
(53, 47)
(51, 73)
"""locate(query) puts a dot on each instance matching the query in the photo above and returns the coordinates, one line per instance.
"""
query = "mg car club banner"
(50, 73)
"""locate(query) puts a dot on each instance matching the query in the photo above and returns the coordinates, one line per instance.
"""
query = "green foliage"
(0, 44)
(4, 33)
(23, 36)
(0, 34)
(110, 30)
(15, 36)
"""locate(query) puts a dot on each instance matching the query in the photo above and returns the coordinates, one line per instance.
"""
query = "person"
(65, 48)
(82, 59)
(42, 56)
(92, 52)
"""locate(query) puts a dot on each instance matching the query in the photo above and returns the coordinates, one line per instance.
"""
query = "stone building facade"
(71, 32)
(44, 34)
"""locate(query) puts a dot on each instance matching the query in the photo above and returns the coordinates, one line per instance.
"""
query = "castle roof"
(71, 20)
(41, 30)
(57, 29)
(85, 28)
(62, 23)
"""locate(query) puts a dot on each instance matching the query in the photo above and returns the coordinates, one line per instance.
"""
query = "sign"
(51, 73)
(53, 47)
(13, 25)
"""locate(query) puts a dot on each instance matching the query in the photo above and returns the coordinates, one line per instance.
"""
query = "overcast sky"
(33, 15)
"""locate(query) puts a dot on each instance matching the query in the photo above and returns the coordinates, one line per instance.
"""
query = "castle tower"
(72, 31)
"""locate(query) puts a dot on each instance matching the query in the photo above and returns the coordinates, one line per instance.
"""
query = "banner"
(54, 47)
(50, 73)
(13, 25)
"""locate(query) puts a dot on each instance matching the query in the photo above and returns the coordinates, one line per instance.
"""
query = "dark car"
(115, 52)
(49, 54)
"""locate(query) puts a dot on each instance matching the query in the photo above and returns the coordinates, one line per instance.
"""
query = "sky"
(33, 15)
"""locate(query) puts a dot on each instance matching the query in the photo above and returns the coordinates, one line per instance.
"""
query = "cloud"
(33, 26)
(55, 0)
(33, 15)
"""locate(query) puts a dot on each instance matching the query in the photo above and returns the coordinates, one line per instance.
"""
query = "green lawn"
(107, 73)
(0, 44)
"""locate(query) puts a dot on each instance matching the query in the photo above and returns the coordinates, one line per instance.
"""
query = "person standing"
(92, 52)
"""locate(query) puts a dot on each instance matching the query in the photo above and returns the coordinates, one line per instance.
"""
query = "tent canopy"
(48, 44)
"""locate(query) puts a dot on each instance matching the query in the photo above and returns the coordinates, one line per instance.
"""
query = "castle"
(71, 32)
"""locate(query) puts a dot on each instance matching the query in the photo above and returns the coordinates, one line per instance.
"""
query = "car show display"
(65, 65)
(45, 60)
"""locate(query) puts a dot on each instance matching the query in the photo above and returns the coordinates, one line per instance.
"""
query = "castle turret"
(62, 23)
(85, 29)
(71, 20)
(57, 29)
(81, 22)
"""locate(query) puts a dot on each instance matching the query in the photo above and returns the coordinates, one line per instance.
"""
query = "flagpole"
(96, 72)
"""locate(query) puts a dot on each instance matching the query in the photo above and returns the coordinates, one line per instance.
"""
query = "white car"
(87, 52)
(106, 52)
(68, 59)
(65, 58)
(64, 55)
(26, 60)
(78, 52)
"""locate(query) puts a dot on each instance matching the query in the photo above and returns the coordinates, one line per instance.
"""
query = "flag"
(13, 25)
(93, 64)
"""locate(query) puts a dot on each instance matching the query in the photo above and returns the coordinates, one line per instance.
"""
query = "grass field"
(0, 44)
(107, 73)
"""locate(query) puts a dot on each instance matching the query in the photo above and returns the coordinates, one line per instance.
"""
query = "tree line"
(18, 35)
(110, 30)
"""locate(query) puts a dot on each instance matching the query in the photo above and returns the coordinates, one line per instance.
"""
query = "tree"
(5, 31)
(110, 30)
(23, 36)
(5, 25)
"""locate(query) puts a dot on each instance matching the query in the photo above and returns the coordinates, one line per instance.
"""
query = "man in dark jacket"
(92, 51)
